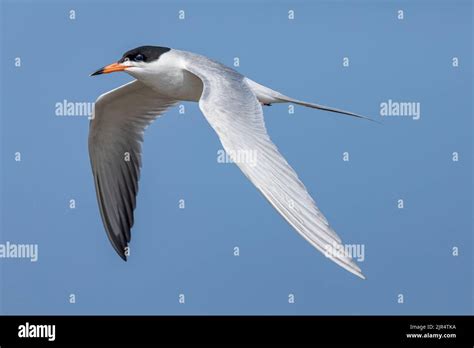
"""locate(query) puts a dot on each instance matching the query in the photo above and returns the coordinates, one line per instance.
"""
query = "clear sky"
(190, 251)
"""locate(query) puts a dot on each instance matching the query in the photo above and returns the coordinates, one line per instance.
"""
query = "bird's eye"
(138, 58)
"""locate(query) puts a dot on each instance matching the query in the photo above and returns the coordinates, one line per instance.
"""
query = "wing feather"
(233, 111)
(115, 136)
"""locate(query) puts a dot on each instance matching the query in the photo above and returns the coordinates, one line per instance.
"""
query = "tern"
(232, 104)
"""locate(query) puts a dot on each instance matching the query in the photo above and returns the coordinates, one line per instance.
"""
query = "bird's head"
(135, 61)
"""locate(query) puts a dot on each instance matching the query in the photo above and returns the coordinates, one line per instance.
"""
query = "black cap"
(149, 53)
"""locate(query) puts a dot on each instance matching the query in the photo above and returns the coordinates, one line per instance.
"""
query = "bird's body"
(231, 103)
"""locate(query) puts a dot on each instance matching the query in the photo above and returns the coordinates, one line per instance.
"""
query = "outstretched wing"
(115, 136)
(234, 112)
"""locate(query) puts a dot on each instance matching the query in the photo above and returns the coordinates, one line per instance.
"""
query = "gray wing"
(234, 112)
(115, 136)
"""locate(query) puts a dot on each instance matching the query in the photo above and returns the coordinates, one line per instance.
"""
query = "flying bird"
(231, 103)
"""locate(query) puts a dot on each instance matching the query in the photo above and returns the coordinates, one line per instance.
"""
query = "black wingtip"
(121, 252)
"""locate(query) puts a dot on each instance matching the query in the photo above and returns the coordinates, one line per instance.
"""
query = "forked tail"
(285, 99)
(268, 96)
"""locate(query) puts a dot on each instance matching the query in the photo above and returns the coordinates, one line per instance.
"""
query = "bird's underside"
(232, 104)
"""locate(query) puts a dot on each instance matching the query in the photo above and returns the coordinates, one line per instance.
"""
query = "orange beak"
(110, 68)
